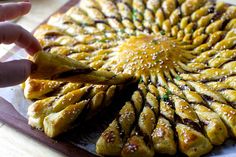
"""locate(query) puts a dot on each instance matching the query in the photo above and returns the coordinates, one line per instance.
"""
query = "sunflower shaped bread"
(182, 52)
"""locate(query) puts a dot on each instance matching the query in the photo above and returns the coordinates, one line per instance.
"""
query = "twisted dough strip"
(62, 110)
(112, 139)
(136, 144)
(212, 123)
(139, 142)
(190, 127)
(56, 123)
(163, 130)
(215, 120)
(217, 103)
(34, 89)
(41, 108)
(56, 67)
(211, 131)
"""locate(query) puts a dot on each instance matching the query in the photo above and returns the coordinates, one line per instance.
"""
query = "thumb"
(14, 72)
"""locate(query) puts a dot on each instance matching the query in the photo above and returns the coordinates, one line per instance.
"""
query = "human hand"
(15, 72)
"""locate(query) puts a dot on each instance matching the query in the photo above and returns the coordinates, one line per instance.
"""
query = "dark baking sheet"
(80, 141)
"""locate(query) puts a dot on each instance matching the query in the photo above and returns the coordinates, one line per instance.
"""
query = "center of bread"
(144, 54)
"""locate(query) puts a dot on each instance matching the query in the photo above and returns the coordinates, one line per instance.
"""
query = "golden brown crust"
(181, 51)
(55, 67)
(191, 142)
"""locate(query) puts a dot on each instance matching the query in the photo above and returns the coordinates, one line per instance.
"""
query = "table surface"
(13, 143)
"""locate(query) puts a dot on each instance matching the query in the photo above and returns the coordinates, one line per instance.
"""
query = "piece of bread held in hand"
(55, 67)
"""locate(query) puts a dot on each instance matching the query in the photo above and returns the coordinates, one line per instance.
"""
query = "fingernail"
(33, 67)
(30, 50)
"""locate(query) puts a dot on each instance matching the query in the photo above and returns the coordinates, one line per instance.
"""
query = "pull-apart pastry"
(181, 55)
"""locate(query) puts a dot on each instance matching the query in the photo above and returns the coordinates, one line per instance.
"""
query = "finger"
(12, 33)
(12, 10)
(14, 72)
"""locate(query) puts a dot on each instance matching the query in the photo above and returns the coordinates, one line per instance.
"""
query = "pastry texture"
(182, 52)
(61, 68)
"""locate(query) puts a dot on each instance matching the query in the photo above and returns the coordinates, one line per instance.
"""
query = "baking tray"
(79, 141)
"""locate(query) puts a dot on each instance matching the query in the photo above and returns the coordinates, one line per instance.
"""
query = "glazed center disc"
(144, 54)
